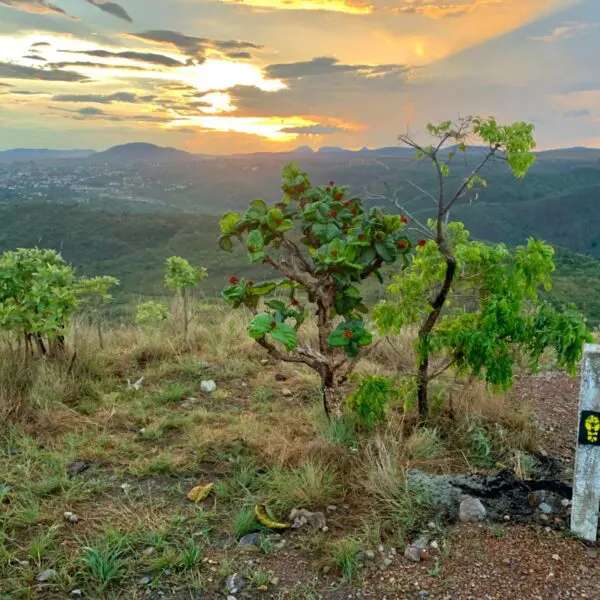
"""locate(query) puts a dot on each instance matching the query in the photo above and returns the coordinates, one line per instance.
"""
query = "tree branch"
(443, 369)
(468, 180)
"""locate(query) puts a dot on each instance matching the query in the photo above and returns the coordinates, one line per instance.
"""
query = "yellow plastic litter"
(260, 512)
(200, 492)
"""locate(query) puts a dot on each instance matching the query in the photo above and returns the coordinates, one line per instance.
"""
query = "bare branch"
(449, 363)
(470, 178)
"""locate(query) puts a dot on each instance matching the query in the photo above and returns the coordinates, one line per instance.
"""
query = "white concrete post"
(586, 483)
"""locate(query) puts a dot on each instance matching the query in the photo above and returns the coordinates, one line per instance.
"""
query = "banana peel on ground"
(263, 517)
(200, 492)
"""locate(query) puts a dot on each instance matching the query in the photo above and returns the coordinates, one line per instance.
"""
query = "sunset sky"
(221, 76)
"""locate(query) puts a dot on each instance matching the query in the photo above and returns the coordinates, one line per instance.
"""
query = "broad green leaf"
(229, 222)
(256, 210)
(255, 246)
(225, 243)
(276, 305)
(286, 334)
(261, 325)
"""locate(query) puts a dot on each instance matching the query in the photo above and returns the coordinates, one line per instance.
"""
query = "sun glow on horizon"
(272, 128)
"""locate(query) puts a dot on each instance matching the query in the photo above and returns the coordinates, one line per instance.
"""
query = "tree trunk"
(40, 344)
(100, 338)
(185, 314)
(427, 327)
(333, 399)
(423, 384)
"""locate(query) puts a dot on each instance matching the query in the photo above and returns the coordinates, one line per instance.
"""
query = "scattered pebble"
(75, 467)
(507, 517)
(76, 593)
(286, 392)
(423, 595)
(370, 554)
(387, 562)
(565, 502)
(263, 588)
(332, 508)
(326, 569)
(413, 553)
(275, 581)
(46, 575)
(301, 517)
(145, 580)
(264, 361)
(234, 583)
(208, 386)
(471, 510)
(545, 508)
(149, 551)
(252, 539)
(435, 545)
(125, 487)
(555, 557)
(70, 517)
(545, 518)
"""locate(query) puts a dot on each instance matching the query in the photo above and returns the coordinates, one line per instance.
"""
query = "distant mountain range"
(139, 152)
(28, 154)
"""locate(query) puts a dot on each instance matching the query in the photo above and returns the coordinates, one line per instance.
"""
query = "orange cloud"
(343, 6)
(441, 11)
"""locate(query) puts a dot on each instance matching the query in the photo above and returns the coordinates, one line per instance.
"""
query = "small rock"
(149, 551)
(275, 581)
(263, 588)
(545, 518)
(331, 508)
(76, 593)
(545, 508)
(280, 377)
(301, 517)
(252, 539)
(231, 598)
(381, 549)
(208, 386)
(387, 562)
(14, 451)
(326, 569)
(71, 517)
(264, 361)
(413, 553)
(325, 529)
(421, 543)
(234, 583)
(370, 555)
(286, 392)
(125, 487)
(507, 517)
(145, 580)
(75, 467)
(555, 557)
(142, 431)
(471, 510)
(46, 575)
(591, 552)
(431, 525)
(434, 545)
(423, 595)
(24, 563)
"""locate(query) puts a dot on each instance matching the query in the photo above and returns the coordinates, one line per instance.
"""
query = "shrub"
(325, 244)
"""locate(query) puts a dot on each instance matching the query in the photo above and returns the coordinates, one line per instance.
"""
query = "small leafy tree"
(325, 244)
(151, 313)
(183, 278)
(39, 294)
(95, 293)
(503, 311)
